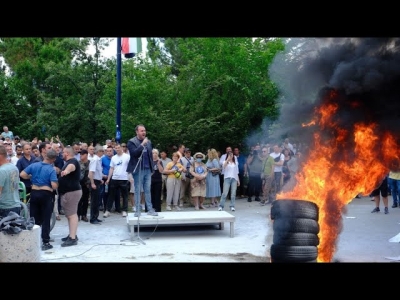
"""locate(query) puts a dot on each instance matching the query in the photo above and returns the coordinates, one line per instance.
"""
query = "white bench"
(181, 218)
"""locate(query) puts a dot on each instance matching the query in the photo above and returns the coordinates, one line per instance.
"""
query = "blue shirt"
(241, 162)
(22, 163)
(43, 174)
(105, 163)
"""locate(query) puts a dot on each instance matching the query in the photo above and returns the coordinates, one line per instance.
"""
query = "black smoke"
(365, 73)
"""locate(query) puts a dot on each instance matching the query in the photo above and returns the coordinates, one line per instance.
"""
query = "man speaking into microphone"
(140, 165)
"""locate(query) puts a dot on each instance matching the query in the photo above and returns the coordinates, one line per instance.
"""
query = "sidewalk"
(110, 242)
(365, 238)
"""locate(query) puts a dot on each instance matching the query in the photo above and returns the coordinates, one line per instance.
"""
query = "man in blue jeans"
(394, 185)
(140, 165)
(44, 181)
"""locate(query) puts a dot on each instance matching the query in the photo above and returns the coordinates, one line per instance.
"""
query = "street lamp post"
(118, 117)
(128, 46)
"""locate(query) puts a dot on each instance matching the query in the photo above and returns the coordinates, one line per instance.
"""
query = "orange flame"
(331, 176)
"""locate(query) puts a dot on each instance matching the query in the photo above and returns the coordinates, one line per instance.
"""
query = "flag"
(131, 46)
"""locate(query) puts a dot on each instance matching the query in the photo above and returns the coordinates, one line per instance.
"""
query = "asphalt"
(366, 237)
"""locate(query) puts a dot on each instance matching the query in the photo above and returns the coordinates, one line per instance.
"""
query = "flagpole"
(118, 116)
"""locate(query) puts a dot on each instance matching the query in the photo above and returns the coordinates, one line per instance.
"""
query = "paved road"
(365, 238)
(110, 242)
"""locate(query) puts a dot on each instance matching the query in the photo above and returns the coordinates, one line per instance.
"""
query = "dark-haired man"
(96, 179)
(26, 159)
(44, 182)
(279, 159)
(140, 165)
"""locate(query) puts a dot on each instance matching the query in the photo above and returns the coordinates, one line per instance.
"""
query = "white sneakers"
(177, 207)
(168, 207)
(219, 208)
(232, 208)
(107, 214)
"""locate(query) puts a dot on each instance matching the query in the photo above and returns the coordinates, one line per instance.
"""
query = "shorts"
(69, 202)
(382, 189)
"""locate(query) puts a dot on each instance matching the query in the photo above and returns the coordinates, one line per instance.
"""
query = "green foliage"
(203, 92)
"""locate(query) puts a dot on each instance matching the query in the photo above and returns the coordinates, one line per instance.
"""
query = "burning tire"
(294, 209)
(282, 253)
(295, 239)
(284, 225)
(296, 228)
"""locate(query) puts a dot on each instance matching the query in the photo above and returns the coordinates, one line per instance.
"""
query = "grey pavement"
(365, 238)
(110, 242)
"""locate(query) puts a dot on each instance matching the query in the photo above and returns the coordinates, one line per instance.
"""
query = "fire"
(343, 163)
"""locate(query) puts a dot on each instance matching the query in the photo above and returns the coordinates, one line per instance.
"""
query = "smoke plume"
(364, 71)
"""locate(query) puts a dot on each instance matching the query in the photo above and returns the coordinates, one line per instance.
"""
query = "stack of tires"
(296, 228)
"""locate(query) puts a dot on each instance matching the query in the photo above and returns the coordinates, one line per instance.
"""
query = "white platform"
(181, 218)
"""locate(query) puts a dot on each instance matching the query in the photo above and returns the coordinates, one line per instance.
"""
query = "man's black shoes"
(70, 242)
(46, 246)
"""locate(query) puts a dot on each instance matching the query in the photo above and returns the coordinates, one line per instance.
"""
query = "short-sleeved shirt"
(281, 158)
(70, 182)
(119, 163)
(43, 174)
(9, 181)
(96, 168)
(172, 166)
(22, 163)
(8, 134)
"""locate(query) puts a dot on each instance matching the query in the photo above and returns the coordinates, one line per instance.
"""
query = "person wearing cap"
(15, 142)
(44, 182)
(186, 161)
(198, 184)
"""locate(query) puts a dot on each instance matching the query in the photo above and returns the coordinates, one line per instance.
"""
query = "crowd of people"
(73, 180)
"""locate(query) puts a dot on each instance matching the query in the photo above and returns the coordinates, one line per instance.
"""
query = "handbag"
(188, 174)
(216, 173)
(177, 173)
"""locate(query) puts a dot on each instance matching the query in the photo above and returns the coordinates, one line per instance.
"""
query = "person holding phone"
(231, 180)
